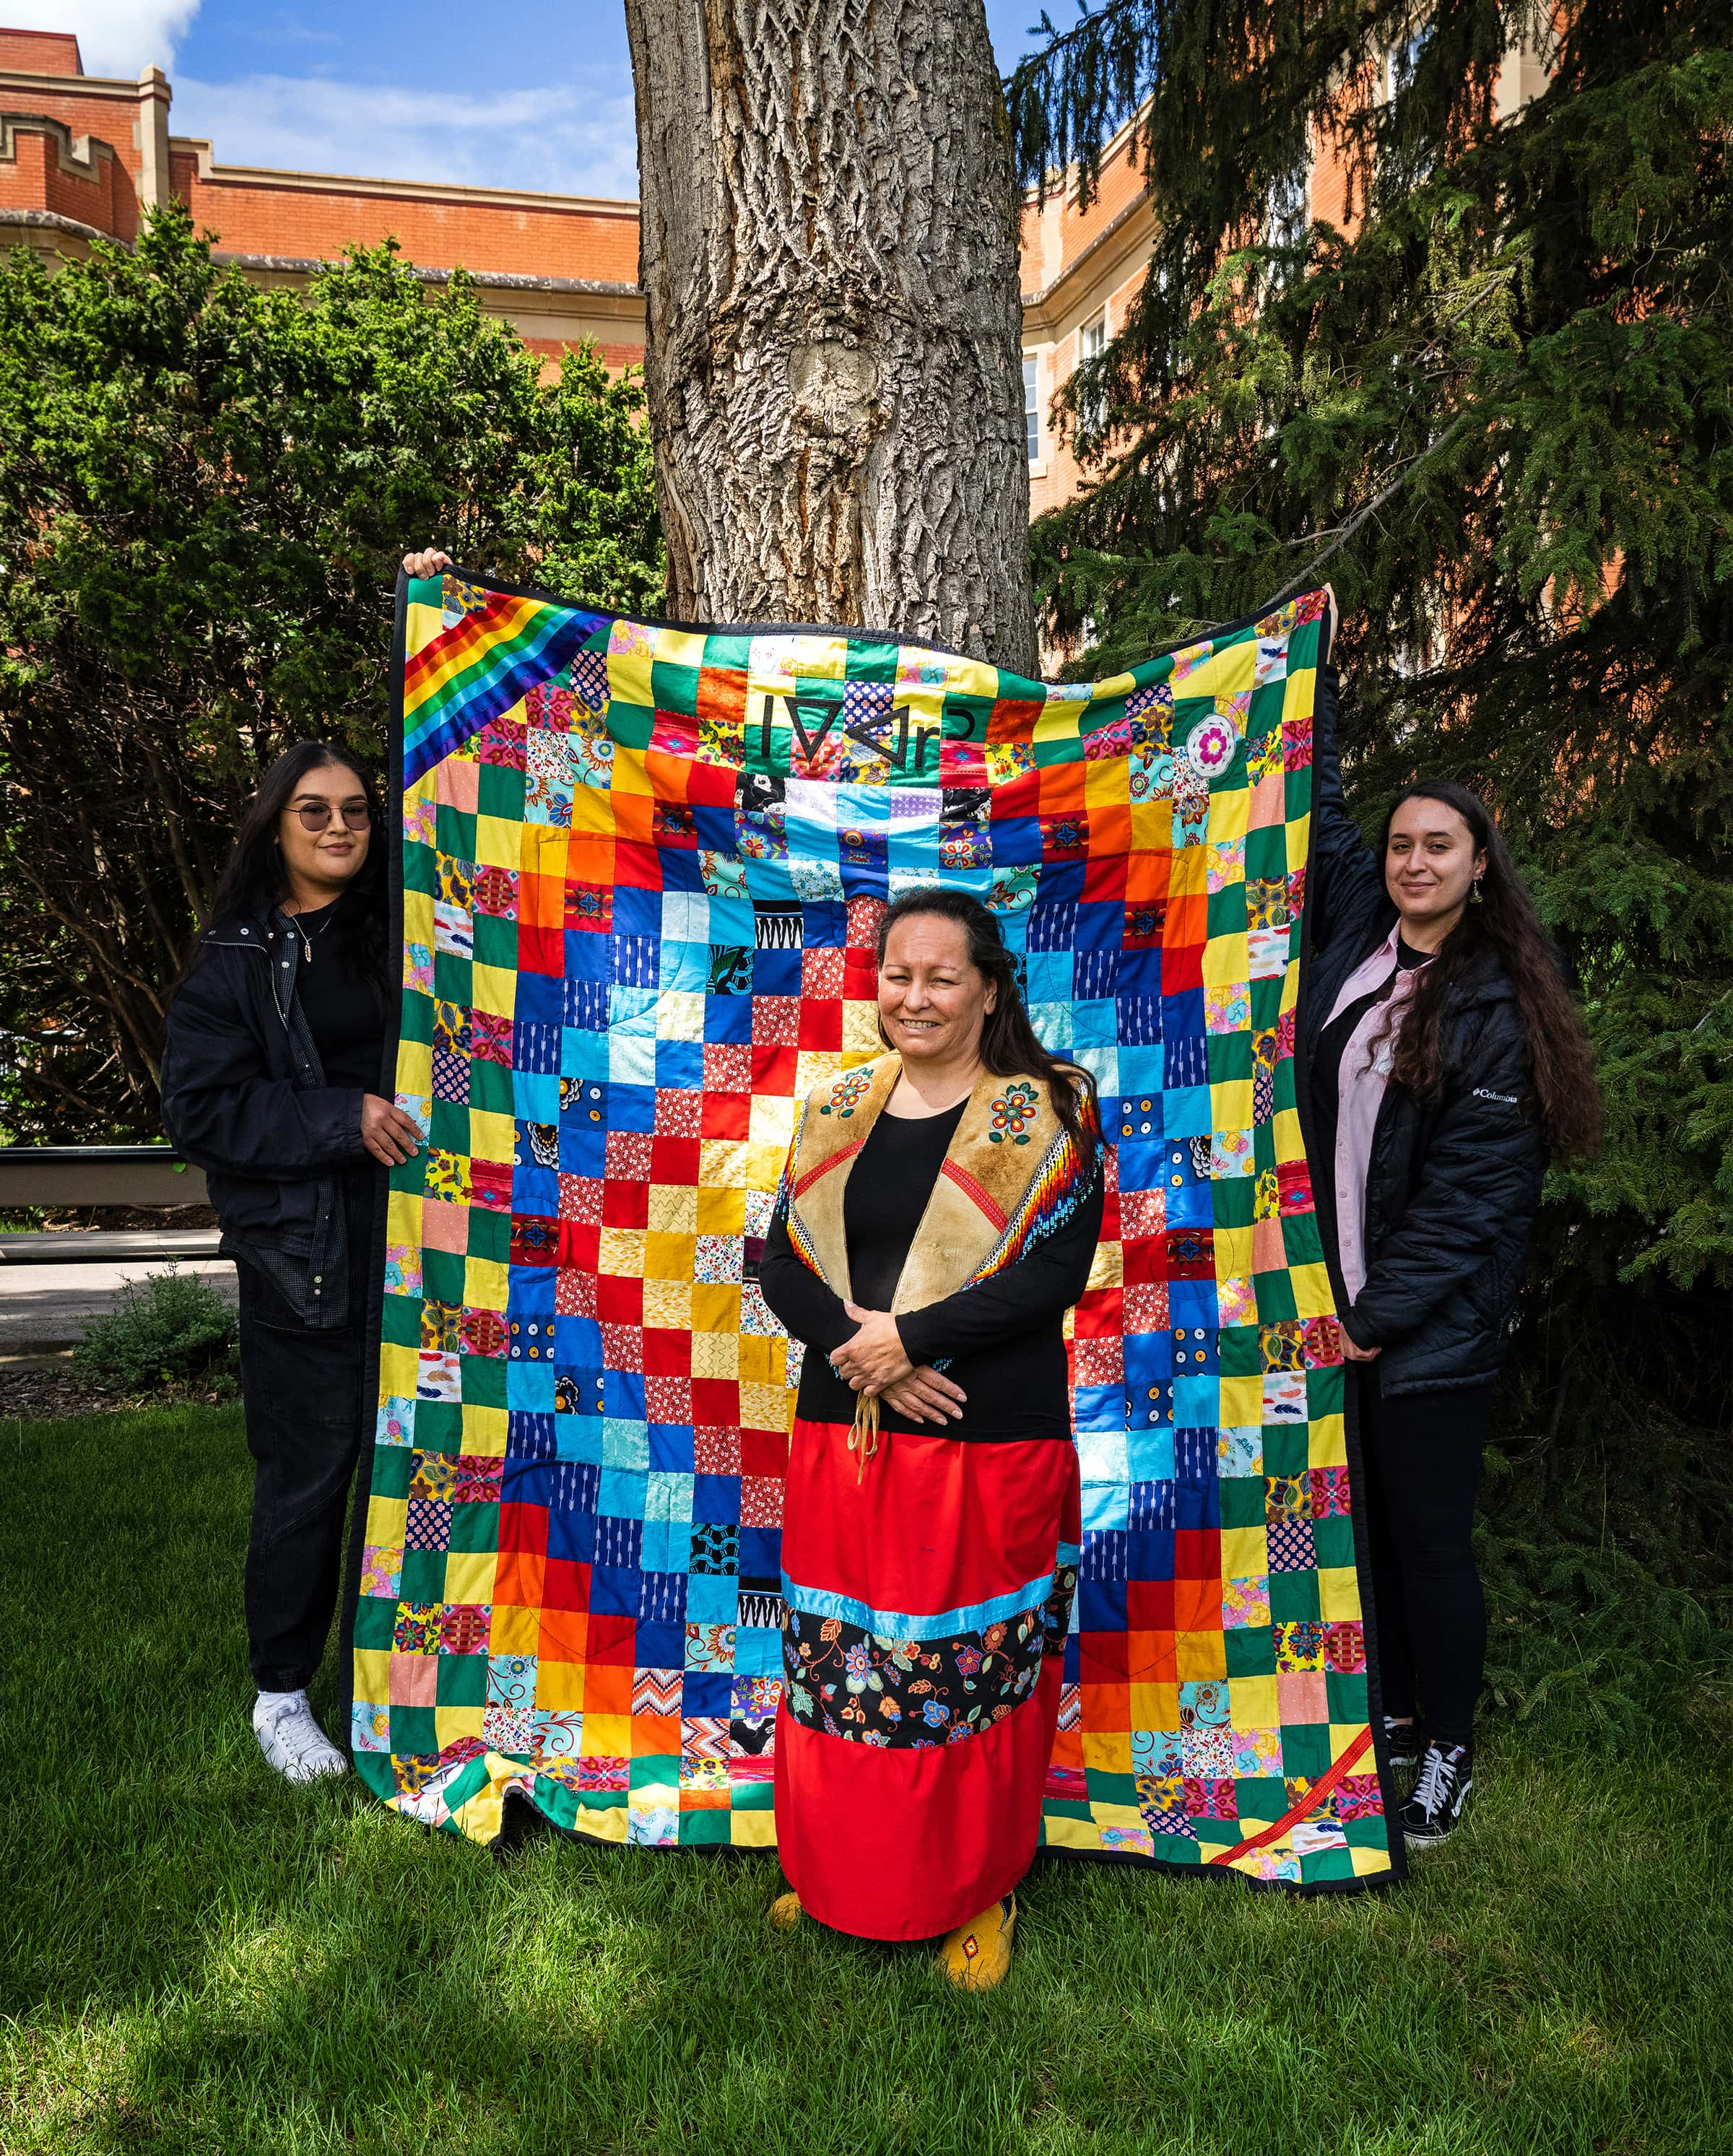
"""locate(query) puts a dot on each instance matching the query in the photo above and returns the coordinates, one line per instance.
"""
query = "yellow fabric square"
(1229, 813)
(492, 1137)
(494, 990)
(483, 1432)
(1233, 1252)
(716, 1307)
(715, 1354)
(592, 812)
(1231, 1101)
(1252, 1703)
(764, 1407)
(514, 1631)
(621, 1252)
(419, 917)
(403, 1216)
(1065, 1833)
(1189, 875)
(860, 1032)
(667, 1299)
(669, 1257)
(399, 1366)
(720, 1212)
(1285, 1134)
(1152, 1704)
(723, 1164)
(470, 1575)
(1225, 960)
(752, 1829)
(1299, 839)
(1312, 1297)
(772, 1121)
(629, 673)
(1299, 694)
(414, 1078)
(609, 1735)
(673, 1209)
(679, 647)
(815, 1067)
(484, 1283)
(1108, 1267)
(1108, 1751)
(559, 1688)
(1329, 1441)
(1199, 1655)
(1245, 1553)
(764, 1164)
(451, 1723)
(499, 844)
(1338, 1593)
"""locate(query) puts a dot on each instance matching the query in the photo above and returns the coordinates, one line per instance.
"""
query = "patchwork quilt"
(642, 868)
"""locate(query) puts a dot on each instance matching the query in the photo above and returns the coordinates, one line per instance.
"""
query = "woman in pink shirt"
(1443, 1060)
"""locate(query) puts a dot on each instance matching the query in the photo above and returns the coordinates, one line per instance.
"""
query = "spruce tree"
(1494, 406)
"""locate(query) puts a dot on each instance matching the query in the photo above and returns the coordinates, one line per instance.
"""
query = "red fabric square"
(728, 1066)
(678, 1110)
(580, 1199)
(727, 1114)
(761, 1501)
(821, 1023)
(773, 1069)
(626, 1154)
(666, 1354)
(619, 1300)
(763, 1452)
(625, 1205)
(622, 1346)
(716, 1403)
(674, 1161)
(821, 972)
(715, 1451)
(491, 1185)
(1197, 1555)
(667, 1398)
(574, 1291)
(776, 1021)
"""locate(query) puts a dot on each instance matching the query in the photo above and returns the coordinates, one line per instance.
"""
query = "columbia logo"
(1485, 1093)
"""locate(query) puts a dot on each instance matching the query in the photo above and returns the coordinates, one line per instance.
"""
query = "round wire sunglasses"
(315, 815)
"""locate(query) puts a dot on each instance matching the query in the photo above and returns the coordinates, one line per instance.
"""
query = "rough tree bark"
(829, 267)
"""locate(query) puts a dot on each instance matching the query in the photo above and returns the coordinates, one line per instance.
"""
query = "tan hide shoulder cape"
(1011, 1175)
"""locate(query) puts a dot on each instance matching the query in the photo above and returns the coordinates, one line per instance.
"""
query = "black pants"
(1422, 1452)
(302, 1392)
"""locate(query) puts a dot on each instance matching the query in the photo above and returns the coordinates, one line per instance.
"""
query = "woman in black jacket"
(270, 1071)
(1444, 1058)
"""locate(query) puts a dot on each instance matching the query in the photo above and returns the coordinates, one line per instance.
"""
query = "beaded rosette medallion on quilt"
(642, 870)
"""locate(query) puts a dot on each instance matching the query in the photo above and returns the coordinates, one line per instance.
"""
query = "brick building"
(81, 156)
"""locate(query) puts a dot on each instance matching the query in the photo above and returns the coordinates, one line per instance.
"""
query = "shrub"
(172, 1329)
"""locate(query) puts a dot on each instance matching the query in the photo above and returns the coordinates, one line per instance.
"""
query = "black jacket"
(244, 1098)
(1453, 1183)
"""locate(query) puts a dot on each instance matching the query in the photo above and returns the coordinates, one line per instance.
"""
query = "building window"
(1285, 210)
(1032, 409)
(1092, 342)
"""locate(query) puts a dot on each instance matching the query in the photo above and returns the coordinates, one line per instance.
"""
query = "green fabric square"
(484, 1382)
(1105, 1788)
(1285, 1096)
(415, 1019)
(652, 1767)
(1250, 1650)
(1230, 1057)
(1287, 1447)
(1234, 1200)
(490, 1088)
(1237, 1349)
(728, 650)
(876, 661)
(1265, 1004)
(674, 688)
(462, 1681)
(1301, 1242)
(477, 1526)
(1241, 1500)
(1367, 1833)
(449, 1127)
(1260, 1796)
(442, 1276)
(375, 1615)
(413, 1732)
(705, 1830)
(1346, 1692)
(1297, 795)
(1275, 1297)
(631, 724)
(1294, 1598)
(454, 831)
(1305, 1749)
(1323, 1391)
(400, 1324)
(468, 1783)
(1266, 854)
(496, 942)
(423, 1578)
(421, 868)
(753, 1797)
(1264, 717)
(1225, 910)
(1322, 1864)
(499, 792)
(438, 1428)
(1066, 749)
(489, 1234)
(453, 978)
(1333, 1540)
(1175, 1849)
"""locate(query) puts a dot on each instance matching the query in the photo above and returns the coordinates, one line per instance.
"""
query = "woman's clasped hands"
(875, 1361)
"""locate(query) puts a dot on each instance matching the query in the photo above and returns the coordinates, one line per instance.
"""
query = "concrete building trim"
(429, 191)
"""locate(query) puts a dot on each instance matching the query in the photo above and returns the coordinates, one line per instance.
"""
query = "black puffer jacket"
(1453, 1183)
(244, 1098)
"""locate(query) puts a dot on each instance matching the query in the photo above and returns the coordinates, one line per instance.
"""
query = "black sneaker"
(1404, 1743)
(1441, 1789)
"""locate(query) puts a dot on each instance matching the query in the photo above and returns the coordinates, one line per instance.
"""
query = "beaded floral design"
(1009, 1116)
(847, 1094)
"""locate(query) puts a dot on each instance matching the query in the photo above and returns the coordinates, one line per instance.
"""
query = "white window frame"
(1031, 407)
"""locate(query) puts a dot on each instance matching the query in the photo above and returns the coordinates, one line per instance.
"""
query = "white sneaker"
(292, 1741)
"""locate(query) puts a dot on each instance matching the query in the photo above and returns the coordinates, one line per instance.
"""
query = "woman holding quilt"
(938, 1216)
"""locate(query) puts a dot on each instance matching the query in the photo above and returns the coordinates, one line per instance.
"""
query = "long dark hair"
(1502, 921)
(1008, 1046)
(253, 881)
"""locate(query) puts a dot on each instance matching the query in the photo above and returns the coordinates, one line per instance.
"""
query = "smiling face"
(1430, 864)
(320, 862)
(933, 999)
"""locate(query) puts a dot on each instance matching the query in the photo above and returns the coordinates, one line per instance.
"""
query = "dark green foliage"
(205, 490)
(169, 1330)
(1496, 412)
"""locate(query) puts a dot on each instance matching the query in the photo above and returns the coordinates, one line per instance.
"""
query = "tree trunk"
(830, 273)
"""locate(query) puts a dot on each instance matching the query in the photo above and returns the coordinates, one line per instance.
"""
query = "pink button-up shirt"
(1363, 1075)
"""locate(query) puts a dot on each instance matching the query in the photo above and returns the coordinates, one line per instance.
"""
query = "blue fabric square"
(619, 1544)
(572, 1536)
(761, 1554)
(613, 1591)
(637, 912)
(671, 1448)
(529, 1437)
(586, 1005)
(706, 1691)
(1152, 1506)
(716, 1498)
(575, 1486)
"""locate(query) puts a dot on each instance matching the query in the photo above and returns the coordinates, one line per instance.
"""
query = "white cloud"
(115, 36)
(572, 140)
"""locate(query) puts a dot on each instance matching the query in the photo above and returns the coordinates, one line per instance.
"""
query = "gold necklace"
(305, 941)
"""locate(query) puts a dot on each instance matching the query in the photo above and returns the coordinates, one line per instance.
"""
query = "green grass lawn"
(197, 1957)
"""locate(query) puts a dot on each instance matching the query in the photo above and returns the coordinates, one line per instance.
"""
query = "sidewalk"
(45, 1308)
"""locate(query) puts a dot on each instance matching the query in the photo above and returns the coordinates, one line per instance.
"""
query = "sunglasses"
(315, 815)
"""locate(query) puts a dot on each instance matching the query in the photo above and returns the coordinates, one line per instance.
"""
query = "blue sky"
(537, 95)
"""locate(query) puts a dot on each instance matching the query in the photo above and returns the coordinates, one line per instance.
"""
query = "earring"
(1474, 892)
